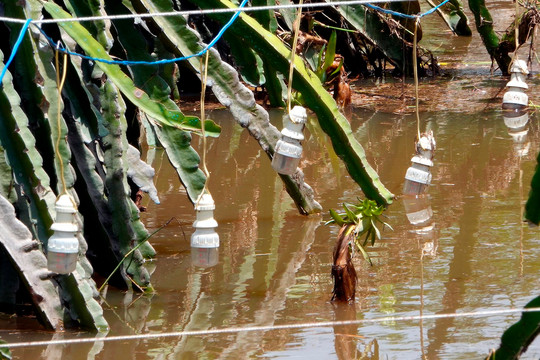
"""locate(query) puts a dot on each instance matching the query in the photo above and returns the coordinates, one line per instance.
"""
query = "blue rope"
(407, 16)
(15, 48)
(158, 62)
(167, 61)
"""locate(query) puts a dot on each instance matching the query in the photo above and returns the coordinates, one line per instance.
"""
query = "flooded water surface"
(463, 248)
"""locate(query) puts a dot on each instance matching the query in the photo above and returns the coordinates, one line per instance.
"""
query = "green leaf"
(39, 102)
(376, 233)
(98, 28)
(166, 112)
(388, 225)
(484, 26)
(351, 216)
(266, 18)
(177, 143)
(288, 14)
(330, 53)
(228, 90)
(369, 25)
(364, 253)
(275, 86)
(335, 124)
(337, 218)
(338, 68)
(5, 353)
(454, 16)
(516, 339)
(377, 210)
(249, 64)
(366, 239)
(360, 229)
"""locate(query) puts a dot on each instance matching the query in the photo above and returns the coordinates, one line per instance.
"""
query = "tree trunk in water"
(343, 270)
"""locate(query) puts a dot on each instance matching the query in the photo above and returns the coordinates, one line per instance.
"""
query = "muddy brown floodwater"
(464, 249)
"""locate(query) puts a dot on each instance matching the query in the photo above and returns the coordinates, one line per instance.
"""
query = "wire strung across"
(236, 11)
(265, 328)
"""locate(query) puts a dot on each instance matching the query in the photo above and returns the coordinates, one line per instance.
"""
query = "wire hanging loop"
(204, 79)
(296, 29)
(415, 72)
(60, 80)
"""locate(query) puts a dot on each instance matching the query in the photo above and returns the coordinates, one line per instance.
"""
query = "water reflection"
(518, 128)
(348, 343)
(455, 250)
(420, 216)
(89, 351)
(204, 257)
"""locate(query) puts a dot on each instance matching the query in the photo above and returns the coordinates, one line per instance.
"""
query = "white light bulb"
(63, 245)
(418, 176)
(288, 149)
(205, 235)
(515, 96)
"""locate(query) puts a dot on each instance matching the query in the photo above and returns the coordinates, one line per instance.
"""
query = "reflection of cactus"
(97, 104)
(387, 300)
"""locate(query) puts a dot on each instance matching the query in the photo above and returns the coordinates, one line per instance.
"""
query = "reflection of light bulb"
(288, 149)
(205, 235)
(519, 137)
(63, 246)
(429, 249)
(418, 210)
(517, 122)
(204, 257)
(515, 96)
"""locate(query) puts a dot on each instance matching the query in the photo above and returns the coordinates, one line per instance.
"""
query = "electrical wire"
(204, 79)
(296, 30)
(265, 328)
(15, 48)
(60, 84)
(203, 11)
(415, 72)
(236, 11)
(407, 16)
(157, 62)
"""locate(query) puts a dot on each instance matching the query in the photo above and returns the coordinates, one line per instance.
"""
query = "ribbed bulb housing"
(515, 96)
(205, 235)
(418, 176)
(288, 149)
(63, 245)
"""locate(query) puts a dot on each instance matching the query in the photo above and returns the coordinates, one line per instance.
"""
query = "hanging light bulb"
(418, 176)
(288, 149)
(515, 97)
(205, 235)
(63, 246)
